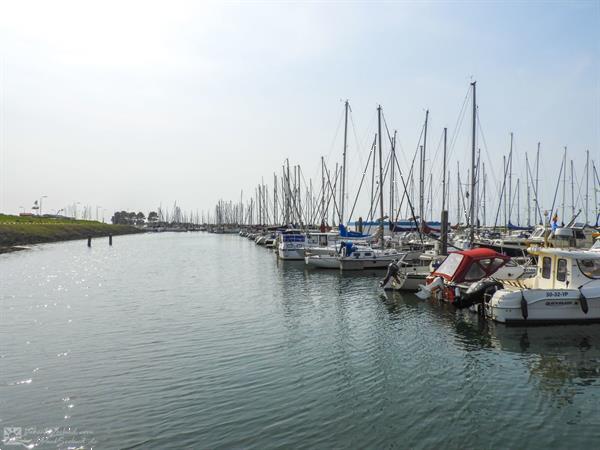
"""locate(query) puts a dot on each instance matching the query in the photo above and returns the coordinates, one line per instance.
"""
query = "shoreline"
(18, 236)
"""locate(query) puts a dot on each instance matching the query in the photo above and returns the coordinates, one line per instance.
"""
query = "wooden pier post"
(89, 241)
(110, 239)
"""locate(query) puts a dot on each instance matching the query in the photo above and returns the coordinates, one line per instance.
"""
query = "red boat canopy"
(470, 265)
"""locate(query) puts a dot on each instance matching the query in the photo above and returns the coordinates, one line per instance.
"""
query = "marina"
(299, 225)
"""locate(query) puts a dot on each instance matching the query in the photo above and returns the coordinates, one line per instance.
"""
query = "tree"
(152, 216)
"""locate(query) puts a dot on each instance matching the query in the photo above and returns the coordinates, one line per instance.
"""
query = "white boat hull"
(379, 262)
(291, 254)
(322, 262)
(532, 306)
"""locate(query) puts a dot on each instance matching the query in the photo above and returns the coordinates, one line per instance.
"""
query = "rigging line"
(485, 147)
(458, 124)
(412, 210)
(381, 183)
(535, 193)
(332, 190)
(360, 145)
(438, 185)
(557, 185)
(362, 178)
(502, 193)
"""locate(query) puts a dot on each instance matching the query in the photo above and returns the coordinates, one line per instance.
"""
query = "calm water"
(205, 341)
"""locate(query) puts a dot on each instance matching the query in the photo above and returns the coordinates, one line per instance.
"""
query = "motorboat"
(456, 279)
(565, 289)
(411, 274)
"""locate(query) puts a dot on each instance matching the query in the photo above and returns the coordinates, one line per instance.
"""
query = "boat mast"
(595, 192)
(587, 185)
(564, 189)
(457, 192)
(474, 143)
(381, 230)
(518, 203)
(444, 173)
(528, 192)
(572, 193)
(510, 204)
(537, 194)
(275, 217)
(503, 194)
(323, 214)
(393, 175)
(343, 187)
(484, 202)
(422, 175)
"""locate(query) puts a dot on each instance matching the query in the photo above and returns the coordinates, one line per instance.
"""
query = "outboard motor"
(477, 292)
(392, 271)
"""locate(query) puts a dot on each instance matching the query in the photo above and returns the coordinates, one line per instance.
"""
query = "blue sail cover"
(514, 227)
(404, 226)
(351, 234)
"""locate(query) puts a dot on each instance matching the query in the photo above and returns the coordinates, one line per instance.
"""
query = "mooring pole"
(110, 239)
(89, 241)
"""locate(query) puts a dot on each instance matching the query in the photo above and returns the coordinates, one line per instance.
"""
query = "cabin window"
(589, 267)
(368, 254)
(561, 270)
(579, 234)
(475, 272)
(546, 267)
(491, 265)
(450, 265)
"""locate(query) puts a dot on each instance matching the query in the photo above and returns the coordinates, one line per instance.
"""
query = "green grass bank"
(18, 231)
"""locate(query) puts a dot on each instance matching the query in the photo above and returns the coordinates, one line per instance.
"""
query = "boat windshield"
(589, 267)
(450, 264)
(596, 245)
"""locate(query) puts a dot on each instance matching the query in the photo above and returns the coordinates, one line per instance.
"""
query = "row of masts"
(292, 200)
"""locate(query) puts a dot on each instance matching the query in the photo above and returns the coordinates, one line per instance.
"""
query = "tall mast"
(564, 189)
(518, 203)
(572, 193)
(393, 175)
(528, 192)
(422, 167)
(275, 217)
(381, 230)
(510, 204)
(444, 173)
(474, 143)
(343, 190)
(504, 192)
(587, 185)
(484, 202)
(537, 193)
(457, 192)
(323, 212)
(595, 192)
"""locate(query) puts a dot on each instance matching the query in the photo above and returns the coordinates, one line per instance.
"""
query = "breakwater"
(15, 231)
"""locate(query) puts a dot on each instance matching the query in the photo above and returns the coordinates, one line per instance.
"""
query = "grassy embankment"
(16, 231)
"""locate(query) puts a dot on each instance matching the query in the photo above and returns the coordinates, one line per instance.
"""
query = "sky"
(135, 104)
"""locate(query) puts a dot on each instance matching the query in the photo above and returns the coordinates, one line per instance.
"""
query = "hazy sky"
(129, 104)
